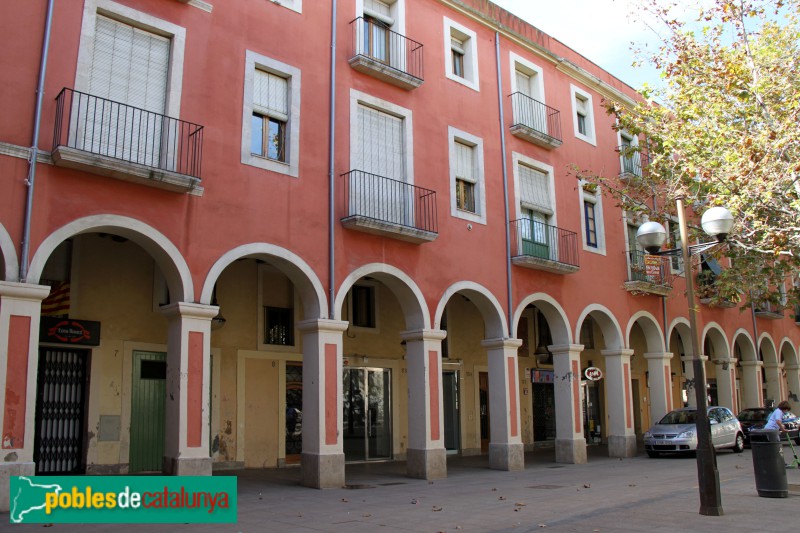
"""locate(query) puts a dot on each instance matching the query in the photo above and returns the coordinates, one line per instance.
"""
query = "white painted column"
(20, 309)
(427, 457)
(187, 409)
(688, 373)
(726, 383)
(570, 439)
(506, 451)
(751, 383)
(773, 375)
(322, 460)
(659, 378)
(619, 403)
(793, 382)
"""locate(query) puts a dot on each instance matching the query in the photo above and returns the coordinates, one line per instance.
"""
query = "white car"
(677, 432)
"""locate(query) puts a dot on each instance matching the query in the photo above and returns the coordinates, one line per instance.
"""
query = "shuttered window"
(379, 144)
(129, 65)
(465, 176)
(379, 10)
(534, 189)
(271, 95)
(523, 83)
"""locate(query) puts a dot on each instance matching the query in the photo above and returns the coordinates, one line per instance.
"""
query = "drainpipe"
(331, 166)
(29, 182)
(755, 328)
(505, 183)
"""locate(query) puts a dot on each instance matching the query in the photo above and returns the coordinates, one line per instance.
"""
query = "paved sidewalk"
(606, 495)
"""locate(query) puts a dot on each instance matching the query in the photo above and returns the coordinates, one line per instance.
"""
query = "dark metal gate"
(60, 406)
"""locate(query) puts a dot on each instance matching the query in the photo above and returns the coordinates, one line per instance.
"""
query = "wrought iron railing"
(649, 268)
(536, 115)
(533, 238)
(376, 41)
(634, 161)
(387, 200)
(120, 131)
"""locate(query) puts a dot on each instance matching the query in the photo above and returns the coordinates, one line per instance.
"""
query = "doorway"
(367, 417)
(452, 413)
(592, 415)
(483, 393)
(148, 391)
(60, 411)
(294, 412)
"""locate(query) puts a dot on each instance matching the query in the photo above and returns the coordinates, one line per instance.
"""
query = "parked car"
(756, 417)
(677, 432)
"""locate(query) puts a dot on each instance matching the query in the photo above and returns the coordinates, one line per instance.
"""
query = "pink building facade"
(238, 246)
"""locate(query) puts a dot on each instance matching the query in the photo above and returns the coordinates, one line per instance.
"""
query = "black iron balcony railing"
(126, 133)
(647, 268)
(389, 201)
(536, 239)
(535, 115)
(634, 162)
(376, 41)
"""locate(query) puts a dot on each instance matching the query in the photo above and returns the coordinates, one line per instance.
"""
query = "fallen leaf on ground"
(366, 515)
(501, 498)
(345, 500)
(587, 485)
(436, 508)
(520, 504)
(542, 525)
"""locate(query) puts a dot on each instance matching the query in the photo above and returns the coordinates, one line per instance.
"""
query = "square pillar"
(726, 383)
(187, 410)
(751, 383)
(426, 457)
(774, 376)
(659, 379)
(506, 451)
(20, 309)
(570, 440)
(322, 459)
(619, 398)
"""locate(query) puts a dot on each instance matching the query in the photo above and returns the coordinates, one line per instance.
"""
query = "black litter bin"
(768, 465)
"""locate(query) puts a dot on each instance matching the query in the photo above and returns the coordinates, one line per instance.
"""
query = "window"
(583, 115)
(379, 19)
(534, 190)
(528, 89)
(467, 187)
(674, 231)
(363, 306)
(461, 55)
(294, 5)
(592, 220)
(271, 115)
(278, 326)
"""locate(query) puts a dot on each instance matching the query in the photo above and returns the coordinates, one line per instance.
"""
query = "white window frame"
(595, 198)
(531, 69)
(453, 135)
(291, 167)
(359, 98)
(579, 94)
(294, 5)
(518, 158)
(634, 141)
(398, 12)
(144, 21)
(470, 40)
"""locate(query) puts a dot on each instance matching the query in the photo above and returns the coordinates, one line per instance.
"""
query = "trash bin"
(768, 465)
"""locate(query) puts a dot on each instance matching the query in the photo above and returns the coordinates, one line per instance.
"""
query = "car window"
(725, 414)
(752, 415)
(713, 414)
(679, 417)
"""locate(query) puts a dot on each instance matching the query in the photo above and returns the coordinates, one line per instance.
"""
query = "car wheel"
(738, 447)
(651, 453)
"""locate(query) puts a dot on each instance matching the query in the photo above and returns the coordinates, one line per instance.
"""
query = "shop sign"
(593, 373)
(542, 376)
(69, 331)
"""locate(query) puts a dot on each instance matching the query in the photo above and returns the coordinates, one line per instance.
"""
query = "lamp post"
(716, 222)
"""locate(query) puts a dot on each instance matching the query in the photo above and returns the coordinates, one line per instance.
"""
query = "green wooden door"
(147, 411)
(535, 238)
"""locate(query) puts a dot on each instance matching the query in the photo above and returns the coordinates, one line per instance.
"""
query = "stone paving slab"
(606, 495)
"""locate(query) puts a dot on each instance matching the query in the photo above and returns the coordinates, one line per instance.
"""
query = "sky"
(600, 30)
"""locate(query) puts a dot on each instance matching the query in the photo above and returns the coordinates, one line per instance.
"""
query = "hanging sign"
(593, 373)
(69, 331)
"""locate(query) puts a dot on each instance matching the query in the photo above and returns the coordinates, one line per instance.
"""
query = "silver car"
(677, 432)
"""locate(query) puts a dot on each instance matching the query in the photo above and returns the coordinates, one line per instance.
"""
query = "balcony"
(633, 162)
(768, 310)
(648, 274)
(386, 55)
(708, 292)
(112, 139)
(535, 122)
(392, 208)
(543, 247)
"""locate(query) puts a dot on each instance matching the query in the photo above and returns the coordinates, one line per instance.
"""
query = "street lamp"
(717, 223)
